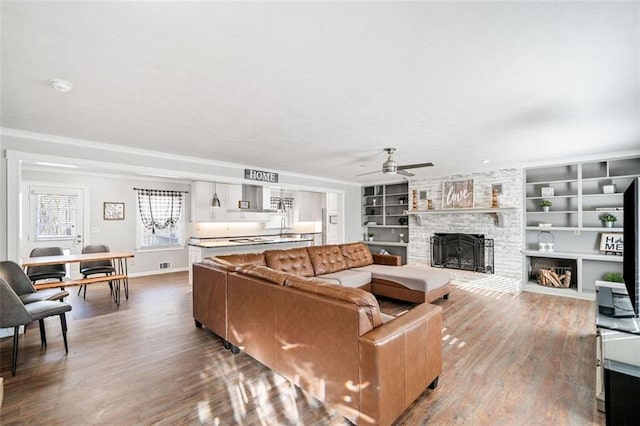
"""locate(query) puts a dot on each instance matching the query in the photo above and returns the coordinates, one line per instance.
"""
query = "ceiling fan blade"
(404, 173)
(368, 173)
(415, 166)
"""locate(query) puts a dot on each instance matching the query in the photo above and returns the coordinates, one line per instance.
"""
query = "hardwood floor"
(525, 360)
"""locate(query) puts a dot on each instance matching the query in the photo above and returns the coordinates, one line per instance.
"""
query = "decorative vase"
(545, 208)
(608, 224)
(370, 238)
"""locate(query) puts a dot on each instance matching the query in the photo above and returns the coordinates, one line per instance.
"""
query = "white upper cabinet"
(308, 206)
(234, 196)
(201, 196)
(201, 201)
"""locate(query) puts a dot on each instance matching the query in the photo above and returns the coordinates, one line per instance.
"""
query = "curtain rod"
(166, 190)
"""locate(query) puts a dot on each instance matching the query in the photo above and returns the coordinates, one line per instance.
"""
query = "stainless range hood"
(256, 196)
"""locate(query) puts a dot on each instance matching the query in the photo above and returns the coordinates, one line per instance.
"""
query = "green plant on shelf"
(545, 203)
(608, 217)
(614, 277)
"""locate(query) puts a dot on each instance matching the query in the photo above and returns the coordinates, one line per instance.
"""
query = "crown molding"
(63, 140)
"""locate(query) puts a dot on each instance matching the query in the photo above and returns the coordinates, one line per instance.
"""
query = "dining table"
(119, 279)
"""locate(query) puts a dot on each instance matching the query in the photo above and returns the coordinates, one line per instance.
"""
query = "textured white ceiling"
(322, 88)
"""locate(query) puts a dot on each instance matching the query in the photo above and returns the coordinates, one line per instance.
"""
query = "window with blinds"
(56, 216)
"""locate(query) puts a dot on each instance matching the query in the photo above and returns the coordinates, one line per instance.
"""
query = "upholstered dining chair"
(96, 267)
(56, 271)
(14, 313)
(23, 286)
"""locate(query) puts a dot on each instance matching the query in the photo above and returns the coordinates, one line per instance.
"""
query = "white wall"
(26, 147)
(119, 235)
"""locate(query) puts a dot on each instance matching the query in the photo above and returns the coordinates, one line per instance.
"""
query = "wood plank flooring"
(525, 360)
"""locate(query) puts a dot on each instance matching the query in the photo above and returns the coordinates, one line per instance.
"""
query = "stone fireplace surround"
(508, 239)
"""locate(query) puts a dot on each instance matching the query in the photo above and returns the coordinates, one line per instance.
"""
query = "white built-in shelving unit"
(573, 224)
(383, 216)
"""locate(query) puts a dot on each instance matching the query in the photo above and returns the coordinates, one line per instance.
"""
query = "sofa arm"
(386, 259)
(398, 360)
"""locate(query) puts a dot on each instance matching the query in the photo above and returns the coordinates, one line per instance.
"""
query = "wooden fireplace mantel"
(496, 213)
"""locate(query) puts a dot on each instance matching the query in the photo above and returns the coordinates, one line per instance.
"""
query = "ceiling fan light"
(389, 167)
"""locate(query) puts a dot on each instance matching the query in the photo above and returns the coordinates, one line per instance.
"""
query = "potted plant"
(613, 277)
(608, 219)
(371, 236)
(545, 204)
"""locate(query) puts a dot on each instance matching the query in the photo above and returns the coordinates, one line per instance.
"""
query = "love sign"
(457, 194)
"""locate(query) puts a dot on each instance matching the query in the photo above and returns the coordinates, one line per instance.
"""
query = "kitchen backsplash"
(212, 229)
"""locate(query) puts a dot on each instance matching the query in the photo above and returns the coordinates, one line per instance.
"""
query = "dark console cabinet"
(622, 394)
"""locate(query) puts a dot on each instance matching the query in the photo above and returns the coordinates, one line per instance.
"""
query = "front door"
(52, 216)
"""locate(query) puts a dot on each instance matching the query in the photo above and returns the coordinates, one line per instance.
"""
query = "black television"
(631, 261)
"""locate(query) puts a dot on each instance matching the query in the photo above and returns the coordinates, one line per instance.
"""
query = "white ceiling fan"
(391, 167)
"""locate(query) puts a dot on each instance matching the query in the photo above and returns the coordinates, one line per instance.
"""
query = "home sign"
(261, 175)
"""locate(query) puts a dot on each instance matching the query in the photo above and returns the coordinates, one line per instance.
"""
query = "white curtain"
(159, 209)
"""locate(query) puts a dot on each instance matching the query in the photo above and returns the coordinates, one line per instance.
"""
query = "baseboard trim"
(158, 272)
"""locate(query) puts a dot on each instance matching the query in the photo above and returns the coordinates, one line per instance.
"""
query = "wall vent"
(165, 265)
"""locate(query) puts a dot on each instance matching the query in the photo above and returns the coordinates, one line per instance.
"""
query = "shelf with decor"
(383, 218)
(580, 194)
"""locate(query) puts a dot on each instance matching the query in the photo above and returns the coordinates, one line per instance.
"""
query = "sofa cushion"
(327, 259)
(231, 261)
(359, 297)
(349, 277)
(294, 261)
(356, 254)
(413, 277)
(265, 273)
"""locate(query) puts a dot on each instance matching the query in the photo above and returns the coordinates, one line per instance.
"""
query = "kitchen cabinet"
(201, 196)
(233, 195)
(308, 206)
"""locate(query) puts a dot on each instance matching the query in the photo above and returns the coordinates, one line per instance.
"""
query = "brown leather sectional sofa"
(329, 339)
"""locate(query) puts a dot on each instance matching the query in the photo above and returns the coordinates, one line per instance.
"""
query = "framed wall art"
(457, 194)
(113, 211)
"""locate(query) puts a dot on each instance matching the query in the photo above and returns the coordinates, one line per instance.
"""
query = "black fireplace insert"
(471, 252)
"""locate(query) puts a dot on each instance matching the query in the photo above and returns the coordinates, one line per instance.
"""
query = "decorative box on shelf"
(546, 191)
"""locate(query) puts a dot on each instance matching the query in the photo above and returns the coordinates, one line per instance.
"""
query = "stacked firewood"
(550, 278)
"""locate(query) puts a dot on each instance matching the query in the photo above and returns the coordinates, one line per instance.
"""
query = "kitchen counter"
(247, 241)
(201, 248)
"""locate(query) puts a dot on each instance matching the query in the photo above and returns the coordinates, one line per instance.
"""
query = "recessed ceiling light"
(69, 166)
(60, 85)
(486, 161)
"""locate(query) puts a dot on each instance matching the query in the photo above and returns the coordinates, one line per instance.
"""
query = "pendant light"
(215, 201)
(281, 206)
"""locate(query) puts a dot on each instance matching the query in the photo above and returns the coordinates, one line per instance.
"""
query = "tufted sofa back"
(294, 261)
(265, 273)
(327, 259)
(356, 255)
(231, 262)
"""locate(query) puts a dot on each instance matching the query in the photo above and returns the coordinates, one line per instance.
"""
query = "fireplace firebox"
(471, 252)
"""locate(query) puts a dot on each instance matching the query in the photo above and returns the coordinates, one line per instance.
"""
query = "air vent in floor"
(165, 265)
